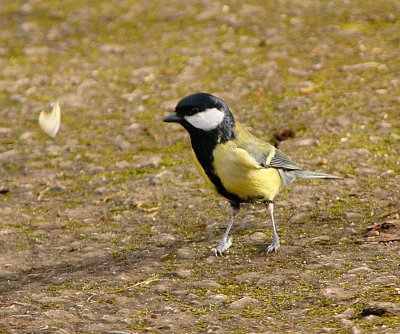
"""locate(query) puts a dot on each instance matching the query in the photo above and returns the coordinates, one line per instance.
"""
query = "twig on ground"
(361, 241)
(389, 213)
(151, 279)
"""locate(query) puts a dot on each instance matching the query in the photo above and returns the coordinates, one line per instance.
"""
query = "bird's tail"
(307, 174)
(289, 176)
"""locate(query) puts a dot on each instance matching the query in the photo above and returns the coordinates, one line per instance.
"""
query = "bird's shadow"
(73, 270)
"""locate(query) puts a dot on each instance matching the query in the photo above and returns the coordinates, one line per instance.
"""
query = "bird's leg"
(274, 246)
(225, 243)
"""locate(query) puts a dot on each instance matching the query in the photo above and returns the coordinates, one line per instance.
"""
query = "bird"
(235, 163)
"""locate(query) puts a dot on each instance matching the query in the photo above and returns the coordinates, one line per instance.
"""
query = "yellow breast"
(243, 176)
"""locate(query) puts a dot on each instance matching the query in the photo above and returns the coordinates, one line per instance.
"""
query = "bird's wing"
(268, 156)
(264, 153)
(280, 160)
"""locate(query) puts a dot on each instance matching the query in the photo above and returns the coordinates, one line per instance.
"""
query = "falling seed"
(50, 122)
(307, 90)
(362, 48)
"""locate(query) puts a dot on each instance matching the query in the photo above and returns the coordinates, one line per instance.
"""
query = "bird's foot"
(274, 246)
(222, 247)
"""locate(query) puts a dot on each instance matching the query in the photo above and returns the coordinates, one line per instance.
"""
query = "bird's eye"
(194, 110)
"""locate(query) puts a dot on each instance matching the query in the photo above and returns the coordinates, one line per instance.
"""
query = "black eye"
(194, 110)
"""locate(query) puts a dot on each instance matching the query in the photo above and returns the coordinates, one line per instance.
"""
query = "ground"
(108, 228)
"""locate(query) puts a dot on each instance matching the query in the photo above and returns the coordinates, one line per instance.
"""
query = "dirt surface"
(108, 227)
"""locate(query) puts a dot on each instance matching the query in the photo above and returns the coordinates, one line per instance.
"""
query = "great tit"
(236, 164)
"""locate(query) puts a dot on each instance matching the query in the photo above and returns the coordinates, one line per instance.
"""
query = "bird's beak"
(172, 118)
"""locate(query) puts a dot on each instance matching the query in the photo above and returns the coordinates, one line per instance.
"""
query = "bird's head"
(203, 112)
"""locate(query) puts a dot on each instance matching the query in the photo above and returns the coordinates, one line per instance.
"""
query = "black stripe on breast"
(203, 144)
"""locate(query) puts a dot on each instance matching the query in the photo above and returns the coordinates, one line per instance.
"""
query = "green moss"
(308, 34)
(170, 161)
(50, 306)
(110, 301)
(381, 293)
(141, 325)
(197, 310)
(119, 256)
(65, 286)
(252, 312)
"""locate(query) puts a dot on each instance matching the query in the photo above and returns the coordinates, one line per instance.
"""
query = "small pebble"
(336, 293)
(381, 91)
(243, 303)
(359, 270)
(360, 67)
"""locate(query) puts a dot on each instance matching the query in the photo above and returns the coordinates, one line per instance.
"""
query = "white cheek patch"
(206, 120)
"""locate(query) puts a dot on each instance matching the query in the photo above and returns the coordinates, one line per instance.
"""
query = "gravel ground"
(108, 227)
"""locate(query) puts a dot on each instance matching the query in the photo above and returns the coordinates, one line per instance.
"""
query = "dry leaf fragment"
(50, 122)
(380, 229)
(148, 206)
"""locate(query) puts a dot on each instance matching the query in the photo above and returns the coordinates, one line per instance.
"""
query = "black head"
(199, 102)
(203, 112)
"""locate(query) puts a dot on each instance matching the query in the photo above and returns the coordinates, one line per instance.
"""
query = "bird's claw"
(222, 247)
(274, 246)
